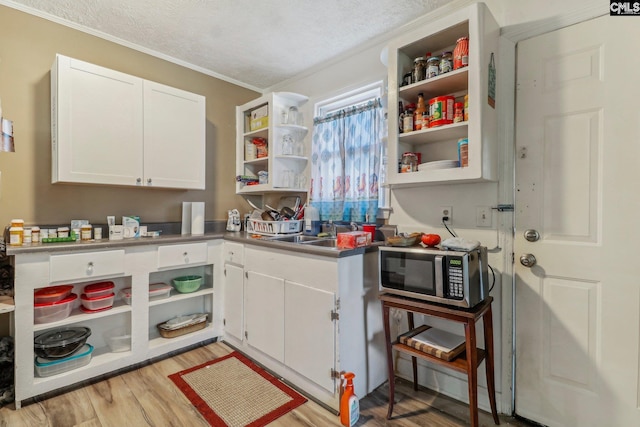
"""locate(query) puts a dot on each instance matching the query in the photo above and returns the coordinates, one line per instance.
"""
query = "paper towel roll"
(197, 218)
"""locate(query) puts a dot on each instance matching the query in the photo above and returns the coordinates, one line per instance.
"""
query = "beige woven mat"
(235, 392)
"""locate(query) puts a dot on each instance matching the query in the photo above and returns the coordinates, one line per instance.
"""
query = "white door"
(309, 333)
(233, 300)
(577, 180)
(264, 314)
(174, 137)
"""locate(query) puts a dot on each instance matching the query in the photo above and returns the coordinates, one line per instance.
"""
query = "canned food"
(458, 112)
(461, 53)
(441, 110)
(463, 152)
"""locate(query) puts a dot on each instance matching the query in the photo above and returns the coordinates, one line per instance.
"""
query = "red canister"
(441, 110)
(461, 53)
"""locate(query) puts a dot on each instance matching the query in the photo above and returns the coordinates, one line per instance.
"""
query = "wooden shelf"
(459, 363)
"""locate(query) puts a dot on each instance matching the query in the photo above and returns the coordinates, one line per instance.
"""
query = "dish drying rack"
(274, 228)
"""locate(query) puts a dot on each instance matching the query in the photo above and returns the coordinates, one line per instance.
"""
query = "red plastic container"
(99, 289)
(51, 294)
(97, 303)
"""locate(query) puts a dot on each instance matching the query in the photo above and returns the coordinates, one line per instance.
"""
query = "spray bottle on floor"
(349, 403)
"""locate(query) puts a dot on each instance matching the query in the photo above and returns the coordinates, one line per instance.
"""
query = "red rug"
(232, 391)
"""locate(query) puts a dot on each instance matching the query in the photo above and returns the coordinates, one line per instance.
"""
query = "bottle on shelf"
(420, 114)
(400, 116)
(407, 119)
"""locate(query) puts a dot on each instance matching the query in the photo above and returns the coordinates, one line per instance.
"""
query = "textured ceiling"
(251, 42)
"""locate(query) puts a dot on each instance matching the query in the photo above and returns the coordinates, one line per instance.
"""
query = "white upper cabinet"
(275, 118)
(112, 128)
(440, 143)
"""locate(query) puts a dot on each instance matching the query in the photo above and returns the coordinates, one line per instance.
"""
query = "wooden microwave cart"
(467, 362)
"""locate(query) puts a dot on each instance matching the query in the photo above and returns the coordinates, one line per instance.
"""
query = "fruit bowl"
(186, 284)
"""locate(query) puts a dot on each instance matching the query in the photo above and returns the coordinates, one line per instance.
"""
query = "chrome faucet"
(332, 229)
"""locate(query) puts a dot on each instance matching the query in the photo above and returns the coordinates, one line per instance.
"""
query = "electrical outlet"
(483, 216)
(446, 211)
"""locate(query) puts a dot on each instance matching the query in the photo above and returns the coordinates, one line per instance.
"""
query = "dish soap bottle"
(349, 403)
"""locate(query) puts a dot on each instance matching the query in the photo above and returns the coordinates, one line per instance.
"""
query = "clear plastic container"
(159, 291)
(100, 289)
(118, 339)
(97, 303)
(47, 367)
(52, 312)
(126, 295)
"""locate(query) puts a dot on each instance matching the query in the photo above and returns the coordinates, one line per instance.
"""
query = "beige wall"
(28, 45)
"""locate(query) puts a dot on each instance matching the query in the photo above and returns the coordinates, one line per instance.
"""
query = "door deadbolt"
(528, 260)
(531, 235)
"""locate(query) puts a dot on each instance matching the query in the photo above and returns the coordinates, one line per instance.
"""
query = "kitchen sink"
(295, 239)
(329, 243)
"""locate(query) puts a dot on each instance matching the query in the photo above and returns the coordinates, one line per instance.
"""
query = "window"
(346, 155)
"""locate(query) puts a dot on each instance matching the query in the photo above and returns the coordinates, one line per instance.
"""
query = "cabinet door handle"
(139, 180)
(149, 181)
(90, 268)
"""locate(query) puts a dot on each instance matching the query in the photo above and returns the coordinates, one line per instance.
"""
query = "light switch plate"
(483, 216)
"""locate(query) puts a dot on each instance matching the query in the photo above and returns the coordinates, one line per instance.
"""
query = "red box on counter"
(353, 239)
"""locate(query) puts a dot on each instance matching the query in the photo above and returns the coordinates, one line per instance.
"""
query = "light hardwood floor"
(146, 397)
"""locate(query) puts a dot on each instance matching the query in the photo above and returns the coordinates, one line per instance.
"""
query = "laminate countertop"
(240, 237)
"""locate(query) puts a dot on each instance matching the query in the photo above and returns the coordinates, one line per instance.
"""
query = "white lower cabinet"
(233, 305)
(294, 326)
(233, 300)
(309, 329)
(264, 314)
(134, 267)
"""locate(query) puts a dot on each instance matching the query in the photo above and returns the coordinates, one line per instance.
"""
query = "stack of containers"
(97, 297)
(61, 350)
(53, 303)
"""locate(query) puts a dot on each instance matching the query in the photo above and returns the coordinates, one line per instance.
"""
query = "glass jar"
(446, 62)
(433, 66)
(407, 118)
(409, 163)
(418, 69)
(85, 232)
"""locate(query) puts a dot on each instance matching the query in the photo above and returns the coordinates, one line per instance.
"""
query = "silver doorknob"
(531, 235)
(528, 260)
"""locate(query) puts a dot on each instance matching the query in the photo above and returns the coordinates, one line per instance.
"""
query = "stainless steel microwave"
(457, 278)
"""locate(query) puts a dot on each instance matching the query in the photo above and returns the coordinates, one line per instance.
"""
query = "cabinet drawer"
(233, 253)
(86, 265)
(177, 255)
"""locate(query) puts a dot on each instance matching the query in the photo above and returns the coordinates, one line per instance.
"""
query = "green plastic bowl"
(186, 284)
